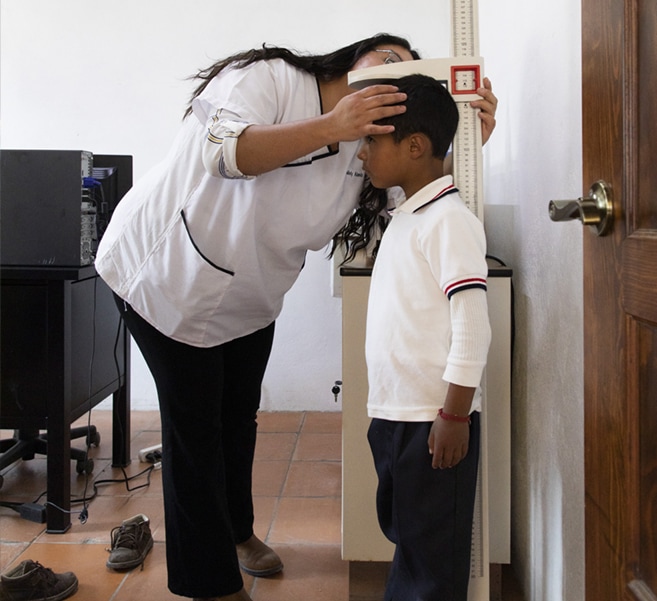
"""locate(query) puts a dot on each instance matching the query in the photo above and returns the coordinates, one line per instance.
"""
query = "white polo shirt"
(427, 319)
(206, 255)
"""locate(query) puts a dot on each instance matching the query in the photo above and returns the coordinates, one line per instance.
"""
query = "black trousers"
(209, 398)
(426, 512)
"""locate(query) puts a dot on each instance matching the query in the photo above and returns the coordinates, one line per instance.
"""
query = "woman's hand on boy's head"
(487, 108)
(354, 116)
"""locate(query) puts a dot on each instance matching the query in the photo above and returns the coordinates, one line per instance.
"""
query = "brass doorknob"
(596, 210)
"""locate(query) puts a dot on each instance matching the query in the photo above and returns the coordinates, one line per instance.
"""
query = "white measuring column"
(468, 176)
(467, 157)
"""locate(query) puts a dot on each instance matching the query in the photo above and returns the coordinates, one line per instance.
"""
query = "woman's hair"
(323, 66)
(366, 223)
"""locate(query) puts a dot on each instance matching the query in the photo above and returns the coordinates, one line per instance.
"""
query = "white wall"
(110, 77)
(532, 52)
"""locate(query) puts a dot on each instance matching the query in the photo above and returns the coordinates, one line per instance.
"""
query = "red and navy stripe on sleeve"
(465, 284)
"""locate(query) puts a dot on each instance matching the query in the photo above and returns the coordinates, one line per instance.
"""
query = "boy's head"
(430, 110)
(422, 136)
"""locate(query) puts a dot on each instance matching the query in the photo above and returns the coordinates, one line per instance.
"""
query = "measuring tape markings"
(467, 158)
(465, 28)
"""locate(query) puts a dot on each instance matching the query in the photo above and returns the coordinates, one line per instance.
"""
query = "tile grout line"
(278, 497)
(254, 584)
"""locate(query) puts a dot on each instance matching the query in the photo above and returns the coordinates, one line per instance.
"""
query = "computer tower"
(114, 174)
(55, 204)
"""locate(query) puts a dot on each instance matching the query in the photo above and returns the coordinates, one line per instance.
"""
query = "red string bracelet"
(453, 418)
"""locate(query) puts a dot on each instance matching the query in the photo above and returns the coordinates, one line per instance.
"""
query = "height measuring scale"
(462, 75)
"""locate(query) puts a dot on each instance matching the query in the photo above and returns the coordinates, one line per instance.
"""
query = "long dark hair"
(367, 223)
(323, 66)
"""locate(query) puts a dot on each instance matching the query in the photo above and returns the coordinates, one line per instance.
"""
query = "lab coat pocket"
(183, 289)
(200, 253)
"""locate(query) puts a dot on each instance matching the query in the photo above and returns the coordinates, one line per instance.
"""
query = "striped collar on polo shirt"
(427, 195)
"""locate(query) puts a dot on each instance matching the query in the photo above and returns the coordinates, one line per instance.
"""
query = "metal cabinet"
(64, 349)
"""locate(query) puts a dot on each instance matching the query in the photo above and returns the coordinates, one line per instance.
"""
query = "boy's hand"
(448, 442)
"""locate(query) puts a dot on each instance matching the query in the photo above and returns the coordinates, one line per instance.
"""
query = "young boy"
(426, 347)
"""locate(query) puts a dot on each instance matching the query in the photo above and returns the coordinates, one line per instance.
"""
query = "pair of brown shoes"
(257, 559)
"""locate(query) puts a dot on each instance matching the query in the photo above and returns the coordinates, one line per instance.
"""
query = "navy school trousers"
(427, 513)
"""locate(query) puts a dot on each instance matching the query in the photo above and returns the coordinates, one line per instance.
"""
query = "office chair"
(28, 442)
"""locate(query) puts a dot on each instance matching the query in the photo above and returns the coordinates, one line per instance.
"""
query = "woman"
(200, 254)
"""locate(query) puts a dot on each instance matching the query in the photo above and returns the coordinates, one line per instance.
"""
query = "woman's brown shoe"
(257, 559)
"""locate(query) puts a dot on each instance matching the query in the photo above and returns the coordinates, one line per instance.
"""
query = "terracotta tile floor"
(297, 487)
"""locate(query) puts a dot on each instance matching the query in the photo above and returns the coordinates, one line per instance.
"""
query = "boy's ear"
(418, 145)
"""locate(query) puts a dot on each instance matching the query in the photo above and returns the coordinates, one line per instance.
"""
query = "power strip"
(151, 454)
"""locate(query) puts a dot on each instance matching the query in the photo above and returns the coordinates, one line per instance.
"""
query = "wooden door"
(619, 97)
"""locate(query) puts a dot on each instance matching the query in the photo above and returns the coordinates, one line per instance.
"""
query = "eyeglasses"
(392, 57)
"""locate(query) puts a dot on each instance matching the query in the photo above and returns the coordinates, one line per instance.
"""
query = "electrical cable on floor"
(36, 512)
(11, 505)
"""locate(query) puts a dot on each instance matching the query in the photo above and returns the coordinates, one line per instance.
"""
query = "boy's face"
(382, 160)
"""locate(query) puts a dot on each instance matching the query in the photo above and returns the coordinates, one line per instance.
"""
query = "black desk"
(64, 349)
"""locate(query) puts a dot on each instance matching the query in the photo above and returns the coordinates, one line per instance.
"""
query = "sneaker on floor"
(131, 542)
(30, 581)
